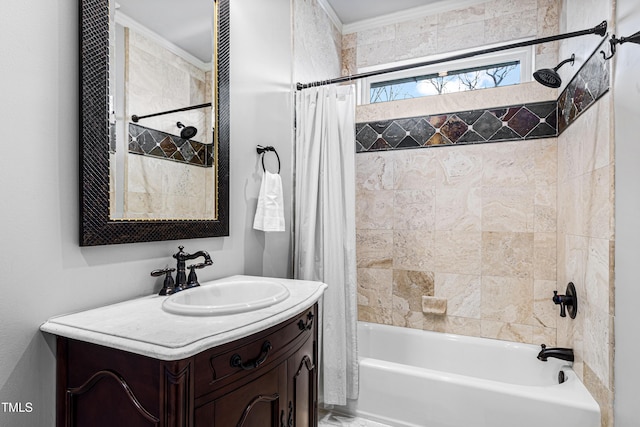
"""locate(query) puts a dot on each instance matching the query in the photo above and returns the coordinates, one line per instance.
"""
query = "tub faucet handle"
(568, 302)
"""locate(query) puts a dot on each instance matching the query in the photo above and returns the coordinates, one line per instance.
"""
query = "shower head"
(187, 132)
(550, 77)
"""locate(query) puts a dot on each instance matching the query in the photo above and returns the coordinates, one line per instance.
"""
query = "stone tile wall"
(479, 25)
(586, 246)
(473, 224)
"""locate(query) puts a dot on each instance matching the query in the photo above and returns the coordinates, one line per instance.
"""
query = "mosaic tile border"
(585, 88)
(512, 123)
(162, 145)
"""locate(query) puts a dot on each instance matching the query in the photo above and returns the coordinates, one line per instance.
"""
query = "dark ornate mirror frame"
(96, 226)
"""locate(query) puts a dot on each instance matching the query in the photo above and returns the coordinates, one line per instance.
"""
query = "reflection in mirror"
(161, 78)
(164, 174)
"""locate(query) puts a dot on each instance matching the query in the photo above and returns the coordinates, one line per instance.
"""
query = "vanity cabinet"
(266, 379)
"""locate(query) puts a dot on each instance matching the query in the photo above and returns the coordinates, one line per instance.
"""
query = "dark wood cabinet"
(268, 379)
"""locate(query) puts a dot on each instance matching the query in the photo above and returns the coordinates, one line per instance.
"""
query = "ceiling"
(350, 11)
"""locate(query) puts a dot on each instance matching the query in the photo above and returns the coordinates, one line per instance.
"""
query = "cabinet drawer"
(222, 365)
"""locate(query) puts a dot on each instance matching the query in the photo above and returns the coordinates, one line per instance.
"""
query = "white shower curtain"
(324, 242)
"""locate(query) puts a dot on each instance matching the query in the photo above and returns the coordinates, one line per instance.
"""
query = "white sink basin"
(226, 297)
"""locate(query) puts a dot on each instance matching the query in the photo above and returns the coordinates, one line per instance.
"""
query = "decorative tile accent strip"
(586, 87)
(151, 142)
(513, 123)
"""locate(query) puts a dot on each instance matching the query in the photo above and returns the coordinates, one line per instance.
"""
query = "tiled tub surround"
(475, 224)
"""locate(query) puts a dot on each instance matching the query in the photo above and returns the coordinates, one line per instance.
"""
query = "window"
(498, 69)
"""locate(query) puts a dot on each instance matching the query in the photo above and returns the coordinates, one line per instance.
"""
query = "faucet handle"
(168, 287)
(567, 302)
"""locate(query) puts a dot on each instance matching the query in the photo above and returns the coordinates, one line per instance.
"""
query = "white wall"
(43, 271)
(626, 91)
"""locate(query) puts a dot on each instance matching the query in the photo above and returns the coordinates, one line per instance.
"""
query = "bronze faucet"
(182, 281)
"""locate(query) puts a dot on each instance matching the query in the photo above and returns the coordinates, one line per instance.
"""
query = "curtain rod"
(193, 107)
(599, 29)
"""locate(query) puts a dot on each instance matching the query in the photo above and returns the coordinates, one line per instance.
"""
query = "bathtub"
(415, 378)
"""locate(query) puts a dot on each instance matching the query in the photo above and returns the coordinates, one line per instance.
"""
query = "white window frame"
(524, 55)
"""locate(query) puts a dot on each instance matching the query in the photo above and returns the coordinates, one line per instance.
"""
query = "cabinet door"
(303, 377)
(259, 403)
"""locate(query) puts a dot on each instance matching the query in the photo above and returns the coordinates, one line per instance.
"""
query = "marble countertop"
(141, 326)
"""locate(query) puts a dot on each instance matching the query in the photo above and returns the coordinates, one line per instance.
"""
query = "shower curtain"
(324, 242)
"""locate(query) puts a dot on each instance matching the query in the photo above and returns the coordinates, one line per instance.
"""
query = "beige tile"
(546, 161)
(458, 17)
(458, 252)
(513, 26)
(414, 169)
(508, 208)
(546, 336)
(460, 36)
(596, 277)
(408, 289)
(598, 201)
(349, 62)
(413, 250)
(415, 45)
(375, 291)
(575, 260)
(374, 171)
(459, 209)
(375, 53)
(602, 393)
(545, 311)
(462, 292)
(349, 41)
(506, 331)
(500, 8)
(374, 210)
(414, 209)
(374, 248)
(507, 254)
(545, 208)
(376, 35)
(459, 167)
(596, 351)
(497, 290)
(373, 315)
(452, 325)
(509, 164)
(544, 256)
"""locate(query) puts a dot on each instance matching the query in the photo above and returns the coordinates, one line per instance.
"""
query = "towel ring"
(262, 150)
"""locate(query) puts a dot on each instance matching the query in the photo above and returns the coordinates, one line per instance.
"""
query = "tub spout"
(557, 352)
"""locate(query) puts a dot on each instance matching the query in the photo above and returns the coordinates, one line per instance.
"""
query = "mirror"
(163, 174)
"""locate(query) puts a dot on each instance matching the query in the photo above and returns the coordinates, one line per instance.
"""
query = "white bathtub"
(414, 378)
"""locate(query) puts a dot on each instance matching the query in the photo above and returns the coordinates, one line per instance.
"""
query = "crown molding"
(332, 15)
(127, 21)
(408, 14)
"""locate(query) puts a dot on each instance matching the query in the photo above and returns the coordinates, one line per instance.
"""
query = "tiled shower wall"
(474, 224)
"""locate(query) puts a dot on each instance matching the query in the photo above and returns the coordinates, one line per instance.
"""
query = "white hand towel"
(270, 211)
